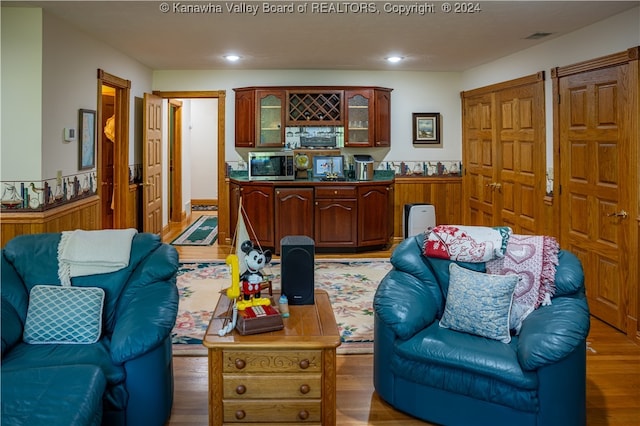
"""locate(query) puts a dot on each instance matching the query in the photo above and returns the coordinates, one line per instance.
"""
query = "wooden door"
(113, 155)
(270, 118)
(521, 183)
(152, 169)
(382, 118)
(175, 161)
(480, 159)
(245, 118)
(359, 118)
(257, 202)
(504, 151)
(336, 222)
(596, 181)
(293, 213)
(107, 163)
(373, 218)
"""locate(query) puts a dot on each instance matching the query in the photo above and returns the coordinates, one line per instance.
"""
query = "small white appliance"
(417, 218)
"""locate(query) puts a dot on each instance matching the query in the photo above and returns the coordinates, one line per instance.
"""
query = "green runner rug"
(202, 232)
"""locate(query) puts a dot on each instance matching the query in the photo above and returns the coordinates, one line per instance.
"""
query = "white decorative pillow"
(479, 303)
(62, 314)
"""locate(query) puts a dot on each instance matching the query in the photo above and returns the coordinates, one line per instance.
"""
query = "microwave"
(276, 165)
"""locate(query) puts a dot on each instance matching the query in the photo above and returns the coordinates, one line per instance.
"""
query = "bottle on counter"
(283, 303)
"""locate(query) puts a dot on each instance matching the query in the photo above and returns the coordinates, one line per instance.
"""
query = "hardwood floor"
(613, 373)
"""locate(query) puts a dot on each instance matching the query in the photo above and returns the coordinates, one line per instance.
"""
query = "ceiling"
(326, 35)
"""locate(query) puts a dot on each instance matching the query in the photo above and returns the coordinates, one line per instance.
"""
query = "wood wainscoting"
(445, 193)
(83, 214)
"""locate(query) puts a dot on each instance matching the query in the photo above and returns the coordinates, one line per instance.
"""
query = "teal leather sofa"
(455, 378)
(126, 377)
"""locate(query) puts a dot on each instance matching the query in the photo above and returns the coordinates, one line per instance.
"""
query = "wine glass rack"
(312, 108)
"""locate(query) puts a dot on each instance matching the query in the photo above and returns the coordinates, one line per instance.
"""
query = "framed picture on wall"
(87, 139)
(426, 128)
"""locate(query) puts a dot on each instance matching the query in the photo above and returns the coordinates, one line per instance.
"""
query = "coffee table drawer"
(282, 411)
(269, 386)
(272, 361)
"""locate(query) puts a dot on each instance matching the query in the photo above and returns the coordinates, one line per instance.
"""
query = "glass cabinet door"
(359, 118)
(270, 118)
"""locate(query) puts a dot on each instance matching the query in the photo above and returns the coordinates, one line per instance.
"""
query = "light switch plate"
(69, 134)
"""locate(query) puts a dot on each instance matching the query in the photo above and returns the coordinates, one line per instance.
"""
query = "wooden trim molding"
(121, 155)
(112, 80)
(224, 235)
(522, 81)
(597, 63)
(187, 94)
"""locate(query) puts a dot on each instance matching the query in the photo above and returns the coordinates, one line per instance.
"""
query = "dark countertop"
(379, 176)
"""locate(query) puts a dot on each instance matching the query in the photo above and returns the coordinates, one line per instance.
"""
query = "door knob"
(622, 213)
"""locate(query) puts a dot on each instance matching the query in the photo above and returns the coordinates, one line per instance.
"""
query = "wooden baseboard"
(204, 201)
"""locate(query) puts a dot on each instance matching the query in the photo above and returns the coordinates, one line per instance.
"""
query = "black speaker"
(297, 270)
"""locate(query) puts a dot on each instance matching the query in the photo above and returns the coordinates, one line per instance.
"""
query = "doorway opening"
(177, 176)
(113, 150)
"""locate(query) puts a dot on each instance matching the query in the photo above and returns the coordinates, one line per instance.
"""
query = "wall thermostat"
(69, 134)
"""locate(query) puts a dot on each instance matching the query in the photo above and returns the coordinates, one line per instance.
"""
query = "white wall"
(49, 72)
(412, 92)
(70, 61)
(425, 92)
(21, 89)
(613, 35)
(204, 149)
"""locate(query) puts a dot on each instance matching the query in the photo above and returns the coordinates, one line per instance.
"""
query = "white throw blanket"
(83, 253)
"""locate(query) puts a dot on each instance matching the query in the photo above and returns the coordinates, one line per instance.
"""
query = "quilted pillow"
(479, 303)
(64, 315)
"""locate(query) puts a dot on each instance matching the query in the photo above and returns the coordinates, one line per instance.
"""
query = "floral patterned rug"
(350, 285)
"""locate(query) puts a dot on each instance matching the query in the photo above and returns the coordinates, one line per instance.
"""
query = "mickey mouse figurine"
(252, 278)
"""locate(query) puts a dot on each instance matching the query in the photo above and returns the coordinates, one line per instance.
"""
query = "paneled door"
(598, 180)
(504, 155)
(521, 183)
(152, 170)
(479, 159)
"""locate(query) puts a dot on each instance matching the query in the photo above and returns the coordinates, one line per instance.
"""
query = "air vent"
(537, 36)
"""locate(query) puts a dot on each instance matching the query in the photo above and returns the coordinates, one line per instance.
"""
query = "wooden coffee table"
(284, 376)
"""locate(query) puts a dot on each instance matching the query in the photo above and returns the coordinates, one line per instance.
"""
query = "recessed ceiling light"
(394, 59)
(232, 58)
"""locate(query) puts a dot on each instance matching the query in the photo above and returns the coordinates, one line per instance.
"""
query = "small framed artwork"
(86, 139)
(328, 164)
(426, 128)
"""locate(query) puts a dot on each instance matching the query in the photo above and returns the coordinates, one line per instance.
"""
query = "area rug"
(351, 285)
(202, 232)
(203, 207)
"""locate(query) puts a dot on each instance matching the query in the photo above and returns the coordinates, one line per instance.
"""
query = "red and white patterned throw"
(534, 258)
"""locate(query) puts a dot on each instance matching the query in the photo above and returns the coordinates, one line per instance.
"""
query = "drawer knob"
(240, 414)
(241, 389)
(240, 364)
(304, 364)
(303, 415)
(335, 192)
(304, 389)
